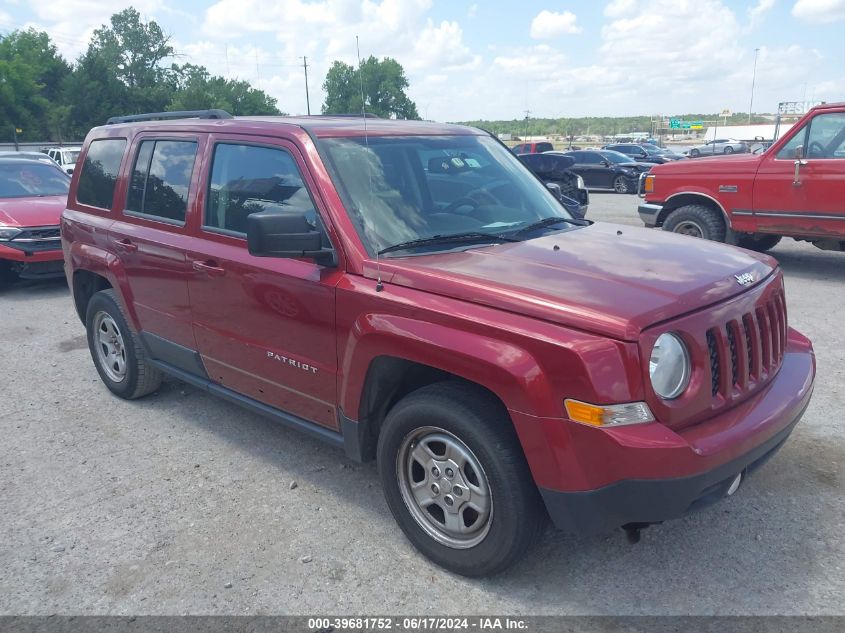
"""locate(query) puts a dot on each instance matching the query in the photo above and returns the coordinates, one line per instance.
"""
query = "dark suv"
(410, 292)
(640, 153)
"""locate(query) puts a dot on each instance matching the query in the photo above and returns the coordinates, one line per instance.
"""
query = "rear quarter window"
(99, 173)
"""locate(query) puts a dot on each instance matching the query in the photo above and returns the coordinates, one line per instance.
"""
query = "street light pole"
(753, 80)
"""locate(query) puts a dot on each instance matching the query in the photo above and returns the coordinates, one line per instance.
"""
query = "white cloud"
(819, 11)
(472, 11)
(758, 11)
(442, 47)
(549, 24)
(620, 8)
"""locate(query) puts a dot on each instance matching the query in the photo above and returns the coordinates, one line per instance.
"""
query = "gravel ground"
(181, 503)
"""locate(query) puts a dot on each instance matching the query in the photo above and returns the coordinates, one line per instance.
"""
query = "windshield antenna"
(379, 285)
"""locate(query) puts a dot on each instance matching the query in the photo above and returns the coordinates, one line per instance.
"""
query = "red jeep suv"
(410, 292)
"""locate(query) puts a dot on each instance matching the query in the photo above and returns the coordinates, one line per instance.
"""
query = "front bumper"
(24, 253)
(650, 473)
(649, 212)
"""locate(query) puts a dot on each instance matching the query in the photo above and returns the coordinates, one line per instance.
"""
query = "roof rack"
(367, 115)
(178, 114)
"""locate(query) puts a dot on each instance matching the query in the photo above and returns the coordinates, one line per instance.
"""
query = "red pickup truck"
(410, 292)
(796, 188)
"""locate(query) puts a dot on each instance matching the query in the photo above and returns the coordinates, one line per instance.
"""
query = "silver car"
(718, 146)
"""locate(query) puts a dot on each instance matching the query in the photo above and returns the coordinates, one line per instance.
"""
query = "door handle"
(209, 267)
(126, 245)
(796, 179)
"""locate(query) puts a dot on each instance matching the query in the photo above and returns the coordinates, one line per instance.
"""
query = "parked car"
(608, 170)
(793, 188)
(64, 156)
(532, 148)
(639, 153)
(501, 360)
(33, 194)
(718, 146)
(39, 156)
(665, 152)
(555, 169)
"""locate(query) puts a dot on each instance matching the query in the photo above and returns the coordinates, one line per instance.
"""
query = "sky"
(468, 60)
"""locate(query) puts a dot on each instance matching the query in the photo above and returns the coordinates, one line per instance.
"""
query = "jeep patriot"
(409, 292)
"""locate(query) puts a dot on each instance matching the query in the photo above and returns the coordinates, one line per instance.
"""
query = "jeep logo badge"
(745, 279)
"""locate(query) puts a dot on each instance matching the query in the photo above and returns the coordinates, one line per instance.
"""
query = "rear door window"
(99, 173)
(161, 179)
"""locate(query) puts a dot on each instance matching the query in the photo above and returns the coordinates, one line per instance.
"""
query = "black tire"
(476, 419)
(759, 242)
(696, 220)
(694, 153)
(621, 185)
(729, 149)
(139, 376)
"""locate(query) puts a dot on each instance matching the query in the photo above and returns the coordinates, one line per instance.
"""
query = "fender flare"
(96, 260)
(508, 371)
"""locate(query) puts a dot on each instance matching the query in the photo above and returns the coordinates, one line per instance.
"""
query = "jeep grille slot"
(745, 352)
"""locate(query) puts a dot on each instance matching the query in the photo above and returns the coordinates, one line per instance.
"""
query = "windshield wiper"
(468, 237)
(545, 222)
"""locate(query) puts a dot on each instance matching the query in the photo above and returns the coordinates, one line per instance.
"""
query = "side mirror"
(555, 189)
(285, 235)
(606, 163)
(799, 152)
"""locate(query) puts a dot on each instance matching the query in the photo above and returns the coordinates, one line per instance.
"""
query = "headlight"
(580, 182)
(669, 366)
(8, 232)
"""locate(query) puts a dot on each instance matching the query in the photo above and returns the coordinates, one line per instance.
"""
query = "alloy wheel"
(111, 351)
(444, 487)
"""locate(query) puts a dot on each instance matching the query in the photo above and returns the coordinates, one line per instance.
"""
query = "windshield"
(400, 189)
(616, 157)
(20, 180)
(71, 156)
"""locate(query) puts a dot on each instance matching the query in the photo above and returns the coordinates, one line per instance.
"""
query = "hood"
(608, 279)
(734, 164)
(34, 211)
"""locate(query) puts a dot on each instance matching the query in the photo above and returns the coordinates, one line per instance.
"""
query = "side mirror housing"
(555, 189)
(799, 152)
(285, 235)
(606, 163)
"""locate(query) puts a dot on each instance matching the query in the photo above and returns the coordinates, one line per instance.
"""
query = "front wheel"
(694, 153)
(729, 149)
(456, 480)
(696, 220)
(620, 185)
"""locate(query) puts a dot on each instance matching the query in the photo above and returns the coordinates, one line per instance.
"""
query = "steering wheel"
(815, 150)
(463, 201)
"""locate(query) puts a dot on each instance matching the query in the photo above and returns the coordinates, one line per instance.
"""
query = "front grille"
(747, 350)
(37, 239)
(38, 234)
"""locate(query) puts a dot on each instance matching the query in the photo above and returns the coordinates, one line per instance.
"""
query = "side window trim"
(207, 228)
(155, 139)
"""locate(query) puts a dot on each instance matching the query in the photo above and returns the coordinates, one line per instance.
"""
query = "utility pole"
(307, 98)
(753, 80)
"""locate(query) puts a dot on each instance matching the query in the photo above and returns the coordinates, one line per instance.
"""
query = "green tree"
(198, 90)
(121, 72)
(384, 89)
(31, 75)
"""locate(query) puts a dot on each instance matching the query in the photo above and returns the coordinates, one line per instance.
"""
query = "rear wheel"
(759, 241)
(694, 153)
(729, 149)
(696, 220)
(620, 185)
(117, 352)
(456, 480)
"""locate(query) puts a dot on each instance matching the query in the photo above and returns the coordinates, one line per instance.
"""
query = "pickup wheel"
(456, 480)
(118, 355)
(759, 242)
(696, 220)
